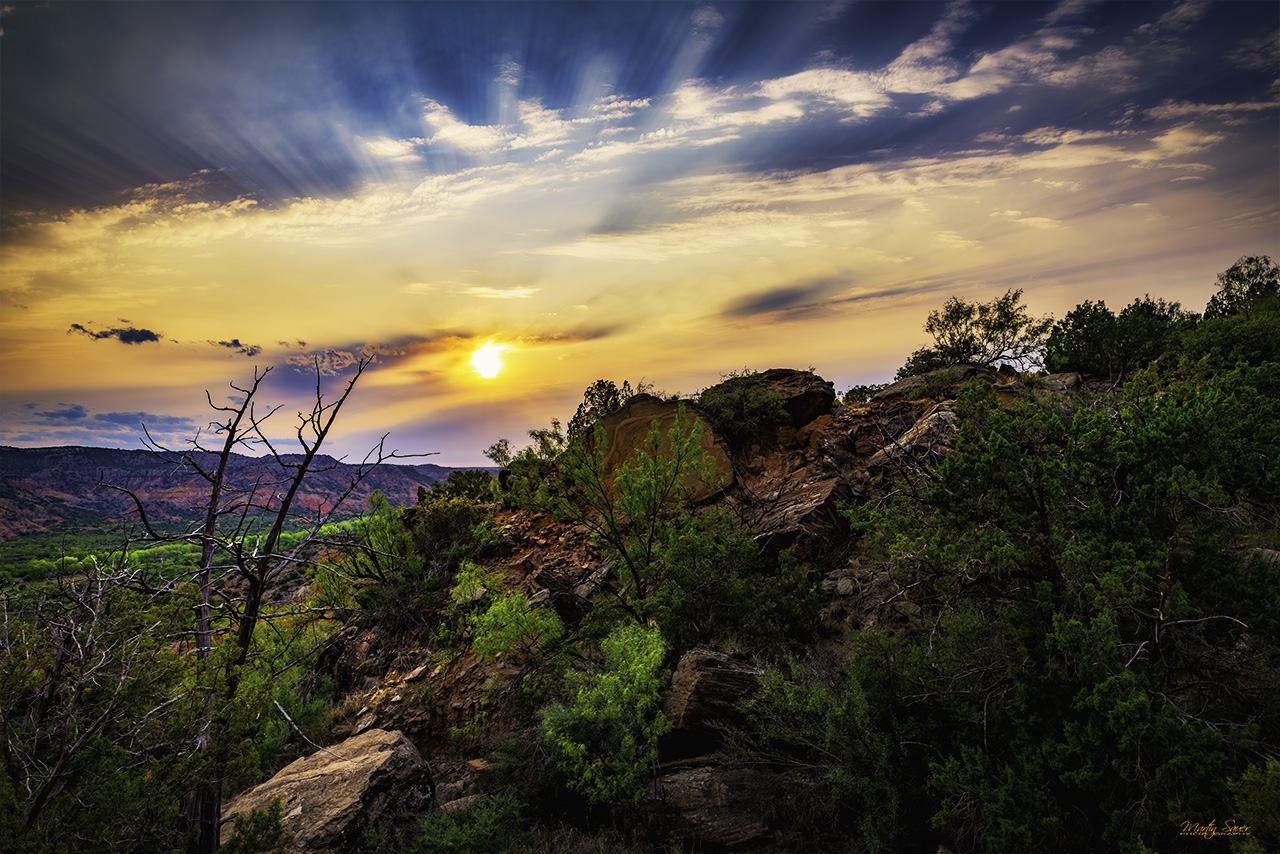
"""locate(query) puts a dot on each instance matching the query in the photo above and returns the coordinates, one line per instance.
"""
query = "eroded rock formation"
(329, 797)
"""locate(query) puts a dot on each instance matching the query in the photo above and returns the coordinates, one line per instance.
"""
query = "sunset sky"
(627, 190)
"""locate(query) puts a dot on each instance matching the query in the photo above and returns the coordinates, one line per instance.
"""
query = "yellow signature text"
(1210, 830)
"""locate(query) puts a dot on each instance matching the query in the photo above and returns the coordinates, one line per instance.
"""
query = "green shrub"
(741, 408)
(860, 395)
(601, 398)
(259, 832)
(491, 825)
(474, 484)
(713, 582)
(936, 384)
(1257, 798)
(605, 741)
(1092, 340)
(411, 553)
(1068, 572)
(1251, 282)
(510, 623)
(968, 333)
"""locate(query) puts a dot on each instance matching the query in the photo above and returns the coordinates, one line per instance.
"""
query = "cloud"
(250, 350)
(577, 335)
(69, 412)
(713, 233)
(498, 293)
(132, 420)
(1261, 53)
(956, 241)
(332, 362)
(509, 73)
(1043, 222)
(784, 298)
(1069, 9)
(393, 149)
(1028, 60)
(450, 129)
(1175, 110)
(923, 65)
(856, 94)
(1180, 18)
(127, 335)
(74, 423)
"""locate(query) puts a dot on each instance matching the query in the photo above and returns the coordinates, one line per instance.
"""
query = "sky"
(665, 192)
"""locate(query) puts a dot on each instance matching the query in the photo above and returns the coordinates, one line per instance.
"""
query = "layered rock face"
(329, 797)
(627, 428)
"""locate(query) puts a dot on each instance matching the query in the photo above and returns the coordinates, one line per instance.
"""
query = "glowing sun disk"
(487, 361)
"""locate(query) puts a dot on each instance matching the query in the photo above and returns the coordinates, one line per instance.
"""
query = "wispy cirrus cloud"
(1231, 113)
(498, 293)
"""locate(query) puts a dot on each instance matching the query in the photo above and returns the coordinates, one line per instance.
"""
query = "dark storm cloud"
(82, 417)
(131, 420)
(250, 350)
(69, 412)
(127, 335)
(789, 298)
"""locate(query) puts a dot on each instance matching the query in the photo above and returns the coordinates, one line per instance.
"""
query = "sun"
(487, 361)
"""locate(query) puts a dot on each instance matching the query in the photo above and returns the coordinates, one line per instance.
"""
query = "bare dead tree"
(241, 534)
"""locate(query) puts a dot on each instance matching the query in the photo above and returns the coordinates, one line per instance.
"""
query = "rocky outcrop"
(709, 686)
(805, 395)
(329, 797)
(786, 484)
(627, 428)
(716, 802)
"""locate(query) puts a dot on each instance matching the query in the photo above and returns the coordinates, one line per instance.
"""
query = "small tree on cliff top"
(969, 333)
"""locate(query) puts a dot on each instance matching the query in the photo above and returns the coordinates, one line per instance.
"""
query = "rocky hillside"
(981, 612)
(786, 486)
(43, 488)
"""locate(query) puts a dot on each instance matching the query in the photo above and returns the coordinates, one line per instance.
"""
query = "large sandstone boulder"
(329, 797)
(806, 395)
(709, 686)
(628, 427)
(720, 804)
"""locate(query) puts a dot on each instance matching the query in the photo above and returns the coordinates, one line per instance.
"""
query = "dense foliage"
(1128, 664)
(1091, 339)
